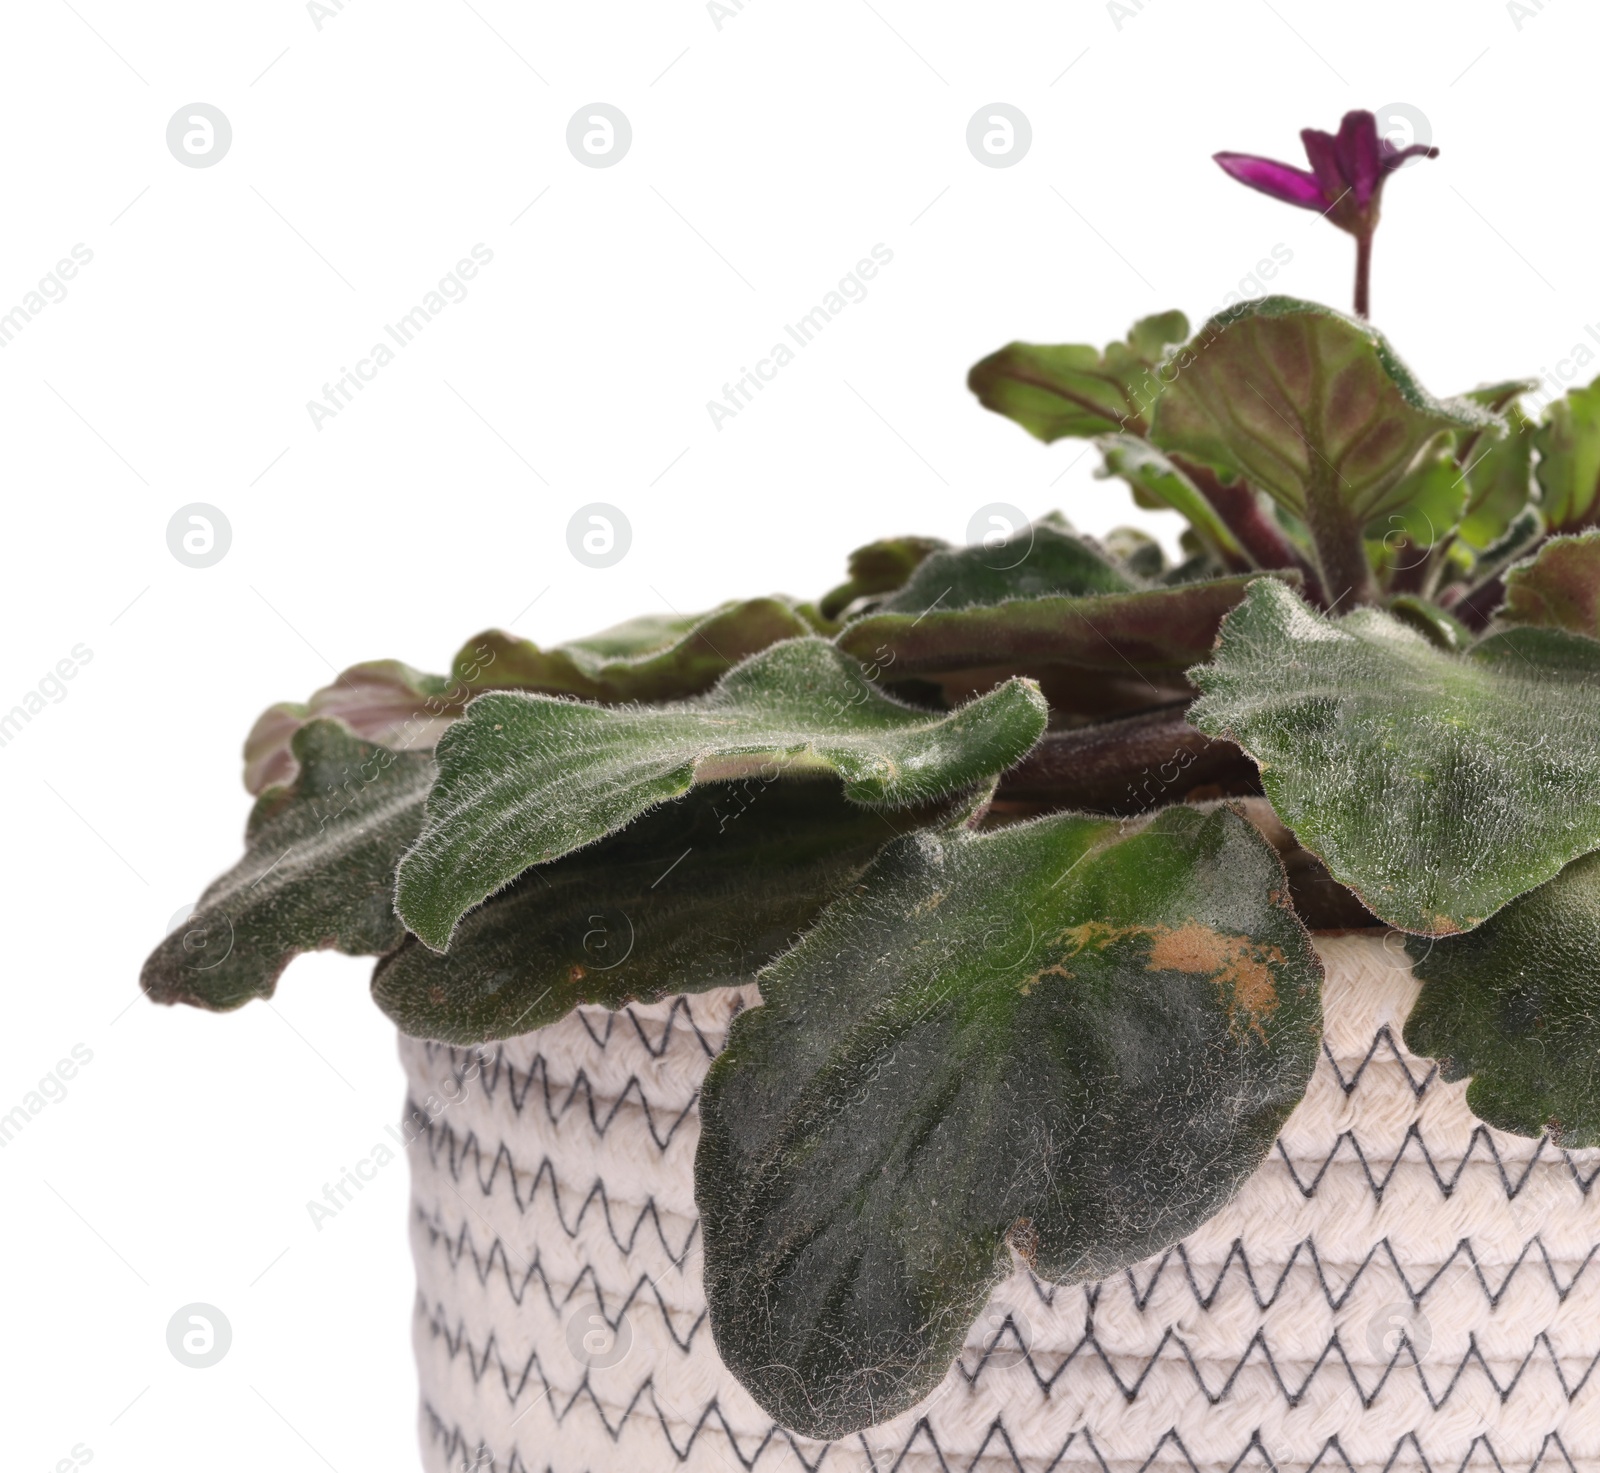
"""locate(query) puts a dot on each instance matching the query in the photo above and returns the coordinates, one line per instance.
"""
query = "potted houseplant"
(1014, 1012)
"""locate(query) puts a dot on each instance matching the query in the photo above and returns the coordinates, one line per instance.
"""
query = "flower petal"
(1323, 151)
(1394, 158)
(1282, 181)
(1360, 155)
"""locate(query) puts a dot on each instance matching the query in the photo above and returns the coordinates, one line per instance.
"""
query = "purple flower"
(1344, 183)
(1346, 175)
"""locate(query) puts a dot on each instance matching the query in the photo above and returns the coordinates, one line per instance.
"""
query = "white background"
(768, 156)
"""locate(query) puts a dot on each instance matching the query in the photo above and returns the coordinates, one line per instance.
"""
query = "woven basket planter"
(1398, 1286)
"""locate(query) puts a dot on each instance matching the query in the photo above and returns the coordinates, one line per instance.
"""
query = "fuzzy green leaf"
(381, 701)
(1498, 472)
(1075, 389)
(1516, 543)
(1068, 1038)
(654, 658)
(1436, 786)
(1429, 500)
(524, 779)
(1559, 588)
(1147, 470)
(1305, 403)
(1436, 625)
(879, 567)
(1046, 557)
(1501, 395)
(697, 894)
(1516, 1005)
(1568, 443)
(651, 659)
(318, 871)
(1137, 551)
(1119, 633)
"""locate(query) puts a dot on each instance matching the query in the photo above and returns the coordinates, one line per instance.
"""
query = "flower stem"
(1364, 274)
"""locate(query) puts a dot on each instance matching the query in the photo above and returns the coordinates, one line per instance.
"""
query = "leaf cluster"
(1023, 842)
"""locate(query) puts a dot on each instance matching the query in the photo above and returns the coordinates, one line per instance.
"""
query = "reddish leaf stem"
(1128, 766)
(1241, 508)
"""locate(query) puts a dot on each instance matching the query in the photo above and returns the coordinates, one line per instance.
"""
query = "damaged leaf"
(1068, 1038)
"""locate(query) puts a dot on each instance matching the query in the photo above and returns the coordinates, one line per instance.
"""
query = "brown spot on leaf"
(1023, 1239)
(1232, 962)
(1053, 970)
(576, 973)
(1098, 934)
(1239, 967)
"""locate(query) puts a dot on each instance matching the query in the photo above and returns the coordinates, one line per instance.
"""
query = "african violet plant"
(1022, 844)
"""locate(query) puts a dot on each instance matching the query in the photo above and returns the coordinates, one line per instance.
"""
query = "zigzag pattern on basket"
(462, 1245)
(457, 1447)
(1481, 1136)
(602, 1110)
(601, 1025)
(614, 1305)
(1384, 1037)
(1513, 1182)
(533, 1272)
(546, 1173)
(1404, 1361)
(485, 1315)
(560, 1099)
(1336, 1299)
(1551, 1458)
